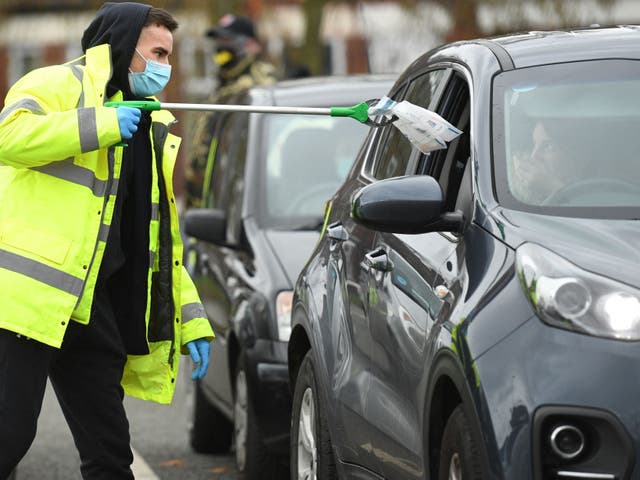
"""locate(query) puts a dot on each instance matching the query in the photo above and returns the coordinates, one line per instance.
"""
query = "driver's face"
(549, 155)
(544, 150)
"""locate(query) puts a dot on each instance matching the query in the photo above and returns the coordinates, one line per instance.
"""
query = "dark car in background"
(474, 312)
(263, 201)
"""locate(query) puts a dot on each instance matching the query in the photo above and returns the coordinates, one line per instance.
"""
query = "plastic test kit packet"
(425, 129)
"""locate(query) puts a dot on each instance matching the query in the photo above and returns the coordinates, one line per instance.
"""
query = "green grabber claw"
(149, 105)
(141, 104)
(360, 112)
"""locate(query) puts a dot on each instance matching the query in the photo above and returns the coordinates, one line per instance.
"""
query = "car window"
(236, 178)
(397, 156)
(304, 159)
(227, 162)
(566, 138)
(223, 139)
(448, 165)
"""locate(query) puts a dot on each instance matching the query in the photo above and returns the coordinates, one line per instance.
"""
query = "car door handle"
(378, 260)
(336, 232)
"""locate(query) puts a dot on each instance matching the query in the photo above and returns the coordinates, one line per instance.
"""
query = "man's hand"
(128, 119)
(199, 351)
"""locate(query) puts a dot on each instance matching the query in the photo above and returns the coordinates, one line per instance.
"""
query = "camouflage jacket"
(202, 149)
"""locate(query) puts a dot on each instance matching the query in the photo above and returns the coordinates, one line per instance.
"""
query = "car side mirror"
(208, 224)
(409, 204)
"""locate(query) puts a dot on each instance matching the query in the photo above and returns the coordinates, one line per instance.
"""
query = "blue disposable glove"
(128, 119)
(199, 351)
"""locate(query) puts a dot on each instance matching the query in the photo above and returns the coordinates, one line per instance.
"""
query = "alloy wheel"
(307, 441)
(240, 416)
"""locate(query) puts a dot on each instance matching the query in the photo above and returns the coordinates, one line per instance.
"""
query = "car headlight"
(566, 296)
(283, 315)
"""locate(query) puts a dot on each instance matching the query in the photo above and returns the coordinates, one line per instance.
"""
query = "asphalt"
(159, 438)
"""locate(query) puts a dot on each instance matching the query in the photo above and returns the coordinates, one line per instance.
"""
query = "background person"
(93, 291)
(237, 55)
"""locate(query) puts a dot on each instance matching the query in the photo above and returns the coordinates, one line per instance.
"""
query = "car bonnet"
(604, 246)
(292, 249)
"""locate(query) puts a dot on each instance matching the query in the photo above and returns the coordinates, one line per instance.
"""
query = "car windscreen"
(304, 159)
(565, 138)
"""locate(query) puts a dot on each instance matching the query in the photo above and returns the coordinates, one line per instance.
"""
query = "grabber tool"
(358, 112)
(425, 129)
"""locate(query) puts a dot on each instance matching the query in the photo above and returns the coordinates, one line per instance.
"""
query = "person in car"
(547, 167)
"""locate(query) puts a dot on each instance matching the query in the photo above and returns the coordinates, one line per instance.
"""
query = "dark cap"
(231, 25)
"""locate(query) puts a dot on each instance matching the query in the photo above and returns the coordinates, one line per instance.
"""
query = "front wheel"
(253, 460)
(311, 452)
(460, 452)
(210, 431)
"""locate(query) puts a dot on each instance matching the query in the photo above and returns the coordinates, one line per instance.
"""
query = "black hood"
(119, 25)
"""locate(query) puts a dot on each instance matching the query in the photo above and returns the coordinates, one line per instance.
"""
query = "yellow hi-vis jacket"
(58, 182)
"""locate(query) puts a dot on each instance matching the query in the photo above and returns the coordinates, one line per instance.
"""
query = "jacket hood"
(119, 25)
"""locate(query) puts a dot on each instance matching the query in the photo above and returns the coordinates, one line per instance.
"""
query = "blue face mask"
(153, 80)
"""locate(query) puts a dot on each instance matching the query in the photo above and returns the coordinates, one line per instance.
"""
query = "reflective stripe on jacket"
(58, 182)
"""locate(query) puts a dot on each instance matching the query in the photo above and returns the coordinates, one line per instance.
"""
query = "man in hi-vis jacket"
(93, 292)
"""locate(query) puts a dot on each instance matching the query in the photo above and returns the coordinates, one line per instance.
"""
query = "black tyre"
(210, 431)
(460, 452)
(311, 453)
(253, 460)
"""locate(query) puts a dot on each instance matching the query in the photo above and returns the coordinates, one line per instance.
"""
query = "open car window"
(396, 155)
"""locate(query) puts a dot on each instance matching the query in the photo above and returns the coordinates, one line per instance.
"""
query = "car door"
(215, 280)
(346, 327)
(411, 282)
(350, 299)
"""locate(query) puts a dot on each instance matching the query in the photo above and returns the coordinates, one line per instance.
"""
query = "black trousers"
(85, 373)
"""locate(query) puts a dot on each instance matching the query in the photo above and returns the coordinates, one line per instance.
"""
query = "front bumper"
(540, 377)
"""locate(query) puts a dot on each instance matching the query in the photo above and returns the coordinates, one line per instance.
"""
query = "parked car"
(264, 197)
(470, 315)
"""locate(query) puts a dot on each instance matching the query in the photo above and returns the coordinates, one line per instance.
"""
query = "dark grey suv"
(474, 313)
(264, 199)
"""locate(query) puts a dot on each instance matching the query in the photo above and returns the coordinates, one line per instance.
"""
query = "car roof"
(527, 49)
(323, 91)
(542, 47)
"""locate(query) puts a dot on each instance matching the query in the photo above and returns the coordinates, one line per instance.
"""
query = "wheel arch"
(233, 352)
(444, 400)
(447, 388)
(250, 322)
(298, 347)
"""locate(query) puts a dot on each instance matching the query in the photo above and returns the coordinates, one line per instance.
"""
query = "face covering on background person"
(152, 80)
(229, 51)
